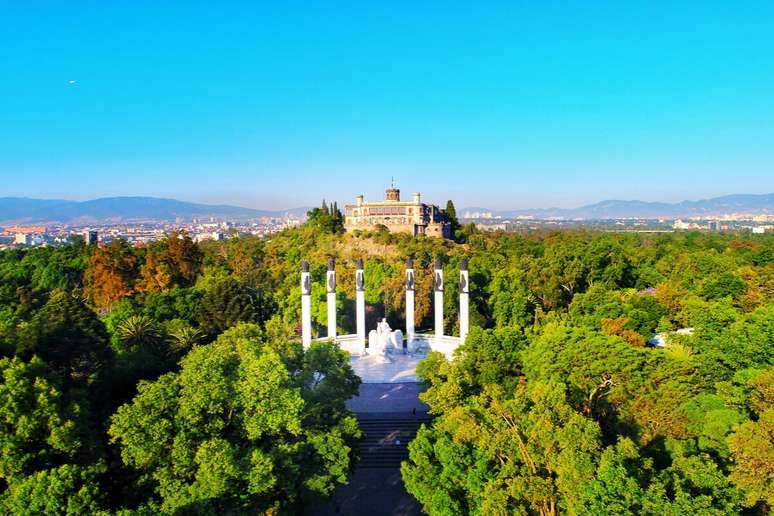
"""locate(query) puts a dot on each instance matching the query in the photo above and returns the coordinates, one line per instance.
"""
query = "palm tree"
(184, 338)
(140, 332)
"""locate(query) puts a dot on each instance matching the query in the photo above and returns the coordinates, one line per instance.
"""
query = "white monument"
(306, 305)
(331, 298)
(382, 345)
(438, 295)
(410, 302)
(464, 301)
(360, 302)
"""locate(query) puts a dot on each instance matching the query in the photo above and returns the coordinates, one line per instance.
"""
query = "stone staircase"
(386, 436)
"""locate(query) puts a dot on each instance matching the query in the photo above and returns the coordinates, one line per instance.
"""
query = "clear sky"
(275, 105)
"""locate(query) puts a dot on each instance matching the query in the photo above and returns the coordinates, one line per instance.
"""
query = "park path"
(389, 415)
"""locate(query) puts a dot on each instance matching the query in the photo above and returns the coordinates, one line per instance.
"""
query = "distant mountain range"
(728, 204)
(22, 210)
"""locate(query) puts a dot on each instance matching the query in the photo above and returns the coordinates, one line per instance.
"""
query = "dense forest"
(170, 378)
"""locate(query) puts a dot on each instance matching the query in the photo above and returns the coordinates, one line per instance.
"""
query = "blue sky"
(273, 105)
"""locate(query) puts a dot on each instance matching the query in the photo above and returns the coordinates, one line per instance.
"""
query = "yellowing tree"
(110, 274)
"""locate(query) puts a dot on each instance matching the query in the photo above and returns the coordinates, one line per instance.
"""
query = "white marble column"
(438, 294)
(331, 299)
(360, 302)
(464, 301)
(306, 305)
(410, 301)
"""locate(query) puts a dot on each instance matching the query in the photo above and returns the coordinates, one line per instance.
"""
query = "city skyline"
(275, 107)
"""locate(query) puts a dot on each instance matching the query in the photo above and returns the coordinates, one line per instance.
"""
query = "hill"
(23, 210)
(612, 209)
(116, 209)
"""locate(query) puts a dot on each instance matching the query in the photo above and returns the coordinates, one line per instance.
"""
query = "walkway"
(398, 398)
(389, 415)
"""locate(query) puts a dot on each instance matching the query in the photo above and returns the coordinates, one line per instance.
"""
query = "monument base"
(402, 368)
(399, 364)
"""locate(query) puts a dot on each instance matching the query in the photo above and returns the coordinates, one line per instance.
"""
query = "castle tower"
(392, 194)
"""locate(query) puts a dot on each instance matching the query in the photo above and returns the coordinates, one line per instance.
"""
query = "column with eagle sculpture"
(438, 297)
(306, 305)
(464, 300)
(331, 298)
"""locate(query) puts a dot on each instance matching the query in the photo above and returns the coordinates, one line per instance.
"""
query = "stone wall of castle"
(413, 217)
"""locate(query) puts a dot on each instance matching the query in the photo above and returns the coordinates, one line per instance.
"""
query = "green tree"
(138, 332)
(185, 337)
(328, 220)
(752, 445)
(68, 489)
(175, 303)
(49, 454)
(451, 217)
(55, 268)
(228, 433)
(230, 302)
(504, 455)
(724, 285)
(40, 427)
(69, 337)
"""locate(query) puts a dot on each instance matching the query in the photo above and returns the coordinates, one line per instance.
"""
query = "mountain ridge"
(25, 210)
(17, 210)
(617, 208)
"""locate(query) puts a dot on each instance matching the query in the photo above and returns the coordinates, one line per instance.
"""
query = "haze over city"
(277, 106)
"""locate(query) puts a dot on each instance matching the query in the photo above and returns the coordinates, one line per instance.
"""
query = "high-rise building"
(90, 237)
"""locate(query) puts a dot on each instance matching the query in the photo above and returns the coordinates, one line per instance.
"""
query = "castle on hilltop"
(413, 217)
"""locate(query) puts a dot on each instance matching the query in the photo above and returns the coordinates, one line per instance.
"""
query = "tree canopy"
(250, 440)
(169, 377)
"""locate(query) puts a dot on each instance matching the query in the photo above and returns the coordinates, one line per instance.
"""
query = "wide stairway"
(389, 415)
(386, 436)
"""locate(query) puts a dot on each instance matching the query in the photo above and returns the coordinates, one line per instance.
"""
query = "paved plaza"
(387, 402)
(378, 491)
(370, 492)
(383, 398)
(373, 369)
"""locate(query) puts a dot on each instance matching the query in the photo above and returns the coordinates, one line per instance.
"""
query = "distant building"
(90, 237)
(23, 239)
(679, 224)
(413, 217)
(478, 215)
(497, 226)
(217, 236)
(35, 230)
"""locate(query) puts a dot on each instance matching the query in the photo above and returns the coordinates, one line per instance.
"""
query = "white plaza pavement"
(372, 369)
